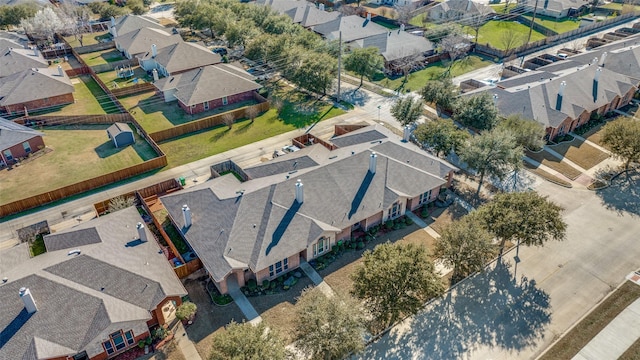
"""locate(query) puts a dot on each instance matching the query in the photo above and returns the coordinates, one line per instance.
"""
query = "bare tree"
(403, 13)
(228, 119)
(456, 46)
(121, 202)
(251, 112)
(477, 20)
(511, 39)
(45, 23)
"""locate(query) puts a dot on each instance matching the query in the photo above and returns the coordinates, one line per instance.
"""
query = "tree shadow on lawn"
(491, 309)
(356, 97)
(107, 149)
(623, 196)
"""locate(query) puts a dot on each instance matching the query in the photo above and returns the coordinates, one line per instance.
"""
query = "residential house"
(558, 9)
(459, 10)
(301, 11)
(353, 28)
(177, 58)
(120, 134)
(17, 141)
(136, 43)
(95, 293)
(264, 227)
(209, 87)
(128, 23)
(564, 101)
(33, 89)
(15, 58)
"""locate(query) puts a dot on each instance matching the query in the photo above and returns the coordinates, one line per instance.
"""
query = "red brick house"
(208, 87)
(34, 89)
(98, 290)
(17, 141)
(266, 226)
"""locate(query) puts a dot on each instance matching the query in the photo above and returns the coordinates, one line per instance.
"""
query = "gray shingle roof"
(71, 240)
(118, 128)
(33, 84)
(467, 7)
(12, 133)
(265, 224)
(353, 27)
(184, 56)
(280, 166)
(139, 41)
(14, 60)
(208, 83)
(128, 23)
(367, 134)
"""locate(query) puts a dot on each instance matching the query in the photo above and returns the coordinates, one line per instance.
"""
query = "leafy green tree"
(332, 328)
(11, 15)
(466, 246)
(523, 217)
(477, 111)
(407, 110)
(315, 72)
(364, 62)
(528, 133)
(442, 93)
(442, 135)
(106, 11)
(136, 6)
(186, 311)
(395, 280)
(493, 153)
(622, 136)
(246, 341)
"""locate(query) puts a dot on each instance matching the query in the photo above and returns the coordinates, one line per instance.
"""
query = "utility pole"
(339, 61)
(533, 19)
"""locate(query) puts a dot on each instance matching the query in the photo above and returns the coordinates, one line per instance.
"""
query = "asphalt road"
(515, 311)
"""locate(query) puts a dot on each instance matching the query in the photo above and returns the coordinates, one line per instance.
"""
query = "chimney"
(594, 89)
(560, 95)
(299, 192)
(155, 74)
(401, 27)
(597, 76)
(114, 32)
(60, 71)
(603, 58)
(322, 7)
(373, 160)
(368, 16)
(406, 133)
(142, 235)
(27, 299)
(35, 51)
(186, 215)
(469, 4)
(495, 99)
(113, 21)
(154, 50)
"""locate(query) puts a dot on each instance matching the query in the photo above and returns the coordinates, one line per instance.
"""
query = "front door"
(169, 311)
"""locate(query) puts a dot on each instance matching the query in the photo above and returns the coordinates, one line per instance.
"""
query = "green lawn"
(492, 33)
(500, 9)
(111, 77)
(559, 26)
(89, 39)
(80, 152)
(89, 100)
(102, 57)
(154, 114)
(616, 6)
(197, 146)
(419, 78)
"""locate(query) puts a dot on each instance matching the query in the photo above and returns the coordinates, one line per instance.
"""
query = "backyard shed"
(120, 134)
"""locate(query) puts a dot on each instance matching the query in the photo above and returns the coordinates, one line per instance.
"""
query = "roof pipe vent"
(299, 192)
(603, 58)
(142, 235)
(373, 161)
(563, 85)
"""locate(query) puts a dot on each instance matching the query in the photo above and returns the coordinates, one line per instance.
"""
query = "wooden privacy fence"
(50, 120)
(205, 123)
(80, 187)
(187, 269)
(79, 71)
(113, 65)
(133, 89)
(95, 47)
(163, 187)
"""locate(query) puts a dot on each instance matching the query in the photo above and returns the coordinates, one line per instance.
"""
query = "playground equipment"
(124, 72)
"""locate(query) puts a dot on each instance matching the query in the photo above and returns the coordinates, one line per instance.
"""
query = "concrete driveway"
(514, 311)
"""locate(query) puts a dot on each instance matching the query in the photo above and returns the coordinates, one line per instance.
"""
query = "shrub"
(186, 311)
(149, 340)
(368, 238)
(160, 333)
(273, 285)
(360, 245)
(252, 285)
(389, 224)
(141, 344)
(265, 283)
(409, 221)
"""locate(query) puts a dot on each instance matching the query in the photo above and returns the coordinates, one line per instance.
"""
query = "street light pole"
(378, 113)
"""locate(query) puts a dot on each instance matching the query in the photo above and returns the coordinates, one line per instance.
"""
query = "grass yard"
(547, 176)
(89, 100)
(554, 163)
(419, 78)
(573, 341)
(616, 6)
(581, 153)
(440, 218)
(595, 135)
(559, 26)
(102, 57)
(206, 143)
(80, 152)
(163, 218)
(154, 114)
(492, 33)
(632, 353)
(111, 77)
(500, 8)
(89, 39)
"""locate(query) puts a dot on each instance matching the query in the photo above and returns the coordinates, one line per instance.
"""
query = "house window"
(118, 341)
(129, 336)
(425, 197)
(394, 211)
(26, 146)
(8, 155)
(278, 267)
(225, 101)
(321, 246)
(206, 105)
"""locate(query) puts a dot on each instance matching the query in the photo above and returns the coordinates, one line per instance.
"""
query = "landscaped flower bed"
(275, 286)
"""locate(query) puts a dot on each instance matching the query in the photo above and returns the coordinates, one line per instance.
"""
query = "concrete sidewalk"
(184, 343)
(243, 303)
(615, 338)
(317, 279)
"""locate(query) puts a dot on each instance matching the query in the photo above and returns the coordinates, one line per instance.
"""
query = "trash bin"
(182, 181)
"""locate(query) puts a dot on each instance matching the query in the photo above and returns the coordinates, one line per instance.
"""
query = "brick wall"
(41, 103)
(17, 151)
(216, 103)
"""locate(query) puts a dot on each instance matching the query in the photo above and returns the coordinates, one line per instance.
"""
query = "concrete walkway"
(317, 279)
(243, 303)
(422, 224)
(184, 343)
(615, 338)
